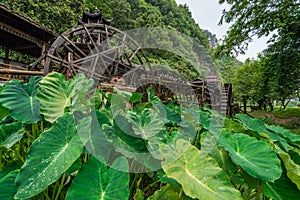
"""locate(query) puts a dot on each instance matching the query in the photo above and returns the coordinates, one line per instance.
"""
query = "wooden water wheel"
(96, 49)
(112, 58)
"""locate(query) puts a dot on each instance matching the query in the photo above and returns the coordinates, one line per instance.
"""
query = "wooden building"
(20, 34)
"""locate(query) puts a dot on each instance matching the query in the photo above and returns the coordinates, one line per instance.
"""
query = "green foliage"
(10, 134)
(55, 15)
(103, 183)
(129, 14)
(7, 185)
(241, 148)
(56, 95)
(93, 151)
(258, 18)
(276, 75)
(20, 99)
(196, 172)
(49, 156)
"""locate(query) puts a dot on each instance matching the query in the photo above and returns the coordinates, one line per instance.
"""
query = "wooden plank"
(23, 72)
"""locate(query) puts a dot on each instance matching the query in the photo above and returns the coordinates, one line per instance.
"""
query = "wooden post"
(245, 104)
(6, 55)
(42, 52)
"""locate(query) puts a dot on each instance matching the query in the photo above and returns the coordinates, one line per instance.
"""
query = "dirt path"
(281, 121)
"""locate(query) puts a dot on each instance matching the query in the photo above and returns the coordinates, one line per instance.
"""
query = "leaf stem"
(180, 194)
(34, 129)
(0, 159)
(20, 157)
(46, 195)
(42, 126)
(150, 185)
(60, 186)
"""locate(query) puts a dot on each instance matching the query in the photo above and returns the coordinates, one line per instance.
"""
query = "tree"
(256, 17)
(55, 15)
(282, 57)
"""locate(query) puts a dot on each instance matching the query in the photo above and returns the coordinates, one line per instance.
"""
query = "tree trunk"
(285, 105)
(245, 104)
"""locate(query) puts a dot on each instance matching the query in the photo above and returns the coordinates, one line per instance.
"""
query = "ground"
(288, 118)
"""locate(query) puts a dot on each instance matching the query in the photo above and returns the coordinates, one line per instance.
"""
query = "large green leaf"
(146, 124)
(94, 139)
(20, 99)
(167, 112)
(51, 154)
(139, 195)
(257, 125)
(128, 145)
(198, 173)
(166, 193)
(255, 157)
(57, 95)
(3, 111)
(95, 181)
(281, 189)
(287, 134)
(52, 96)
(10, 134)
(293, 170)
(7, 185)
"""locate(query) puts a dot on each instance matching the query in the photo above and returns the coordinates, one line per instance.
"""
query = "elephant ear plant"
(59, 140)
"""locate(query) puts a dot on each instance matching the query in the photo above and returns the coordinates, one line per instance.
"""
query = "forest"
(281, 64)
(61, 139)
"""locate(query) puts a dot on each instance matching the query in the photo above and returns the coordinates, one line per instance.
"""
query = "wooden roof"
(20, 33)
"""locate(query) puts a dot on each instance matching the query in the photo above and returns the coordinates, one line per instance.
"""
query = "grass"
(288, 112)
(288, 118)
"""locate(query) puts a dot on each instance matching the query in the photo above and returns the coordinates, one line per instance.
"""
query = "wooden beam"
(20, 33)
(23, 72)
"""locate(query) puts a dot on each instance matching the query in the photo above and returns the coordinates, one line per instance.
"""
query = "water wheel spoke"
(74, 45)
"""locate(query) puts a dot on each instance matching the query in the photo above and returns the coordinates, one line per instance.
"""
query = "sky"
(207, 14)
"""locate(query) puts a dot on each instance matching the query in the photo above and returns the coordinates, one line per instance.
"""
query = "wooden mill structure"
(103, 53)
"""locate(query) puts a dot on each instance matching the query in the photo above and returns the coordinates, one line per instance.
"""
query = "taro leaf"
(94, 138)
(139, 195)
(287, 134)
(165, 193)
(52, 96)
(255, 157)
(7, 185)
(10, 134)
(234, 126)
(129, 146)
(198, 173)
(51, 154)
(257, 125)
(147, 124)
(96, 181)
(3, 111)
(7, 120)
(96, 100)
(136, 97)
(293, 170)
(166, 112)
(166, 180)
(57, 95)
(10, 167)
(223, 159)
(20, 99)
(281, 189)
(151, 95)
(104, 117)
(205, 119)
